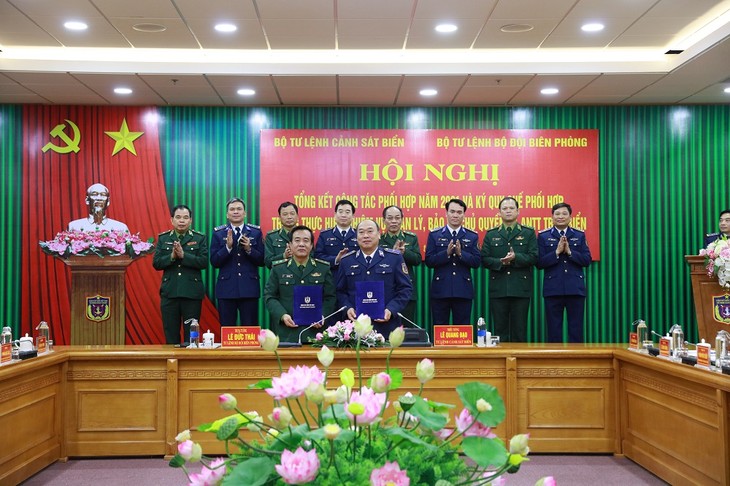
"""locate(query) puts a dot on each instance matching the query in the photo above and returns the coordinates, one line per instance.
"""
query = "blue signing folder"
(370, 299)
(307, 306)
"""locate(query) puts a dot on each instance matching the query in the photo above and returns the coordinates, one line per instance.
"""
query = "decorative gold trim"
(565, 372)
(79, 375)
(672, 390)
(30, 386)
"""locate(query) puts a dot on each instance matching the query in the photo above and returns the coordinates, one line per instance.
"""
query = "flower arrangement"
(100, 242)
(717, 259)
(350, 433)
(344, 335)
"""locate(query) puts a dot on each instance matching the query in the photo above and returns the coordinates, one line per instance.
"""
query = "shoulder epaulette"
(496, 228)
(253, 225)
(319, 260)
(348, 254)
(197, 232)
(168, 232)
(279, 262)
(713, 234)
(437, 229)
(546, 229)
(470, 230)
(218, 228)
(409, 233)
(390, 250)
(272, 231)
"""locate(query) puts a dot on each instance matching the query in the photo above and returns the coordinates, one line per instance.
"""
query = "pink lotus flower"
(546, 481)
(464, 423)
(373, 403)
(298, 467)
(389, 475)
(293, 383)
(211, 475)
(190, 451)
(227, 401)
(381, 382)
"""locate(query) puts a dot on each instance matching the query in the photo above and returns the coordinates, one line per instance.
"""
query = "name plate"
(240, 336)
(703, 356)
(6, 353)
(633, 341)
(665, 348)
(41, 344)
(461, 335)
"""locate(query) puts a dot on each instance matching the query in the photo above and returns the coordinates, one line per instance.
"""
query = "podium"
(97, 298)
(712, 302)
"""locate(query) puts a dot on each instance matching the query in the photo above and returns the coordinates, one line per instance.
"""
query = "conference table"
(92, 401)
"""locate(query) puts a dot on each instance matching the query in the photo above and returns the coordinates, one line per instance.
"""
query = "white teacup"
(25, 343)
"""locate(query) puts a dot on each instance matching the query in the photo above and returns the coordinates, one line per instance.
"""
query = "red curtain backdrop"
(54, 190)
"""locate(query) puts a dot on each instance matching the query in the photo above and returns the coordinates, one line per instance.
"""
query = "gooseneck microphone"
(416, 325)
(321, 321)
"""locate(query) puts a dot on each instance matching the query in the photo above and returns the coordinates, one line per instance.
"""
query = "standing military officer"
(371, 264)
(301, 269)
(452, 251)
(181, 253)
(509, 251)
(563, 253)
(724, 232)
(237, 250)
(334, 243)
(276, 246)
(407, 244)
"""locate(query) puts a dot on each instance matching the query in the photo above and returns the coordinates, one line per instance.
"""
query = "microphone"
(417, 327)
(658, 335)
(321, 321)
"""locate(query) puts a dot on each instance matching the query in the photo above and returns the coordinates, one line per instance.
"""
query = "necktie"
(301, 268)
(344, 234)
(509, 230)
(453, 234)
(236, 235)
(368, 259)
(562, 232)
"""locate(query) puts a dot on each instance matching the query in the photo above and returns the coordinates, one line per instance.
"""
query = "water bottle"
(481, 333)
(194, 333)
(43, 332)
(7, 335)
(642, 332)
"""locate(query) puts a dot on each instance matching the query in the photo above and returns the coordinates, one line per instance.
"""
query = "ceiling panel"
(493, 38)
(218, 10)
(568, 86)
(423, 35)
(447, 87)
(248, 36)
(516, 9)
(368, 90)
(104, 85)
(17, 29)
(177, 35)
(287, 9)
(227, 86)
(315, 90)
(374, 9)
(621, 85)
(600, 10)
(139, 9)
(452, 11)
(300, 33)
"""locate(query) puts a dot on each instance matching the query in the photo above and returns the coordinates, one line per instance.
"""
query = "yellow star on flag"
(124, 138)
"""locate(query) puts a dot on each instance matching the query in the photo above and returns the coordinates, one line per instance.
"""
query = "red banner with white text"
(419, 170)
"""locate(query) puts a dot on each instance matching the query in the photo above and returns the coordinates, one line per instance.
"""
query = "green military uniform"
(279, 293)
(182, 288)
(413, 258)
(275, 245)
(510, 286)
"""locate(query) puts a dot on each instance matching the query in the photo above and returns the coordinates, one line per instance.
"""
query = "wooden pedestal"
(705, 290)
(93, 276)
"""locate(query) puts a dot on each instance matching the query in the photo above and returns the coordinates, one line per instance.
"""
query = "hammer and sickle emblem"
(71, 145)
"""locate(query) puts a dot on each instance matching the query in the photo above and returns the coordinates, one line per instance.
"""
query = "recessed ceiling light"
(75, 25)
(727, 90)
(428, 92)
(123, 91)
(225, 28)
(592, 27)
(446, 28)
(149, 28)
(246, 92)
(516, 28)
(549, 91)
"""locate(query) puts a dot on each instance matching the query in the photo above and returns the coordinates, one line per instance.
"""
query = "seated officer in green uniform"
(406, 243)
(301, 269)
(181, 253)
(276, 246)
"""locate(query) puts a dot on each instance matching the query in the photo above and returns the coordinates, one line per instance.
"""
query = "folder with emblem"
(370, 299)
(307, 305)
